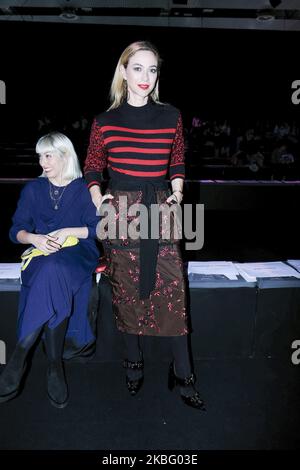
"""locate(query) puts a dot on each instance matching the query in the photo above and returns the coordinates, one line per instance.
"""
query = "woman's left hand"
(175, 198)
(61, 236)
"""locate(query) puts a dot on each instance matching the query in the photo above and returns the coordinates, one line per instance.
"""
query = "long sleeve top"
(136, 142)
(35, 212)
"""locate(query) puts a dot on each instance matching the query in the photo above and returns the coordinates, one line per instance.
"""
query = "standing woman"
(56, 216)
(140, 141)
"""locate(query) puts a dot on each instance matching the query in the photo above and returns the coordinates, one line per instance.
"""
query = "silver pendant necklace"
(55, 192)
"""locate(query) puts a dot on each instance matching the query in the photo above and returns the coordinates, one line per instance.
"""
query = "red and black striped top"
(136, 142)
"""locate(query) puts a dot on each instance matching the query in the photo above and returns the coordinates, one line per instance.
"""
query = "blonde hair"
(59, 144)
(118, 89)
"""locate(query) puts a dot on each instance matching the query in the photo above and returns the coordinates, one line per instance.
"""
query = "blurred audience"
(225, 148)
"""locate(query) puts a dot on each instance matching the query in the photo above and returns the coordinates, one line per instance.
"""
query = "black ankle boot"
(11, 377)
(134, 385)
(57, 388)
(190, 400)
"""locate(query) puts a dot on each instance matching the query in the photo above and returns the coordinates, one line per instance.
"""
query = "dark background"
(218, 73)
(253, 401)
(65, 71)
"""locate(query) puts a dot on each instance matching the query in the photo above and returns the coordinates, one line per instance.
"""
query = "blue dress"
(58, 285)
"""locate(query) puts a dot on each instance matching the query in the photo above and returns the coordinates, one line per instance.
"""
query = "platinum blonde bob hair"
(59, 144)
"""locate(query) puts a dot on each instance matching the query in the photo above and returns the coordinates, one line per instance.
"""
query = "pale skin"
(53, 167)
(142, 69)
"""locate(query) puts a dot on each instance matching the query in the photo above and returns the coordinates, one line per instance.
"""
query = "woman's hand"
(46, 243)
(107, 196)
(60, 236)
(97, 197)
(175, 198)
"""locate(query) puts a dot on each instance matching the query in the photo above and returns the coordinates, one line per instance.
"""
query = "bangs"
(45, 145)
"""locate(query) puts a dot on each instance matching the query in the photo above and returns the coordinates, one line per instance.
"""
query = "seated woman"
(55, 215)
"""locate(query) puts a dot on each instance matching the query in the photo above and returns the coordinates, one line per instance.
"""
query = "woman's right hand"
(46, 243)
(98, 198)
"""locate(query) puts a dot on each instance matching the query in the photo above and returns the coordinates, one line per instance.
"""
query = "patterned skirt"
(164, 313)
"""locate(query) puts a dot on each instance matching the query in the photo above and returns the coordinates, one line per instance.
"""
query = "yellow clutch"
(32, 252)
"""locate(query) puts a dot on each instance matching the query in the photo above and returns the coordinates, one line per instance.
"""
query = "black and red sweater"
(136, 142)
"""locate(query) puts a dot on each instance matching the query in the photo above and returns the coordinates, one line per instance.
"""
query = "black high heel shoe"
(134, 385)
(194, 400)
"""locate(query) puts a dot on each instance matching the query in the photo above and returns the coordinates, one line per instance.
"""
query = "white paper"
(245, 274)
(295, 263)
(225, 268)
(10, 270)
(266, 269)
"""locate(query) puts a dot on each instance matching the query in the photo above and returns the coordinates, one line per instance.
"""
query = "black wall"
(243, 75)
(68, 67)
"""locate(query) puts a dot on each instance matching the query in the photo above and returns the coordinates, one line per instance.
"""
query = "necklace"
(55, 195)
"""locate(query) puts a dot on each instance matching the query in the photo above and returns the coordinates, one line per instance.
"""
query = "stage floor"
(251, 404)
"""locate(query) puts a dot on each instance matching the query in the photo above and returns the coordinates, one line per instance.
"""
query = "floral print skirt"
(164, 313)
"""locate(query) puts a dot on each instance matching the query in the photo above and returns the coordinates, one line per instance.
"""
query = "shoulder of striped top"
(166, 109)
(102, 118)
(170, 109)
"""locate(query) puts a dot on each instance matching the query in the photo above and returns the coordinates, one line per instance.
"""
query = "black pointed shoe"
(134, 385)
(191, 400)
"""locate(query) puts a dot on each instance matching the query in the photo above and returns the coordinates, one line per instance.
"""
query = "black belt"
(148, 246)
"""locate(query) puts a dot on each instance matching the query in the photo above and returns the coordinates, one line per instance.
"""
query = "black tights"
(133, 348)
(181, 355)
(180, 352)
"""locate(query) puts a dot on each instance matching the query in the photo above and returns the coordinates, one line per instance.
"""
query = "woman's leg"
(181, 374)
(57, 386)
(182, 360)
(11, 377)
(133, 363)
